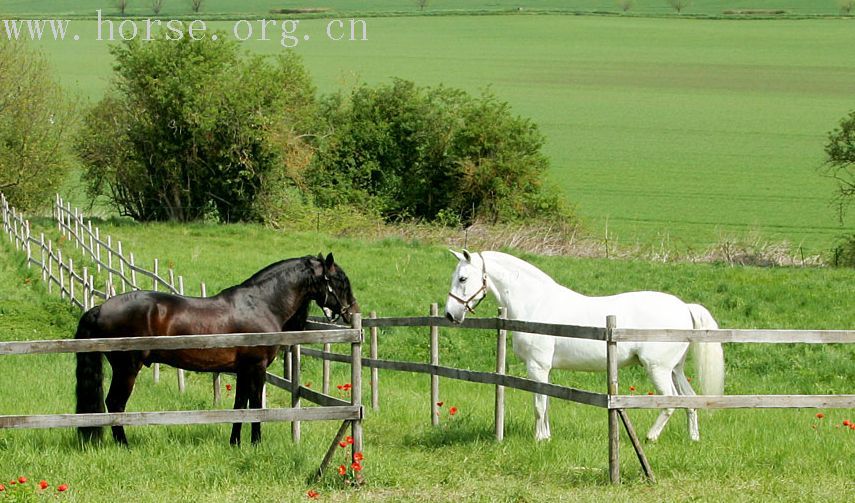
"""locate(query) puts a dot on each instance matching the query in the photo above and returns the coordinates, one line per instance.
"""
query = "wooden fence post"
(203, 291)
(356, 383)
(27, 240)
(96, 252)
(76, 228)
(121, 266)
(501, 368)
(155, 369)
(612, 373)
(42, 250)
(133, 272)
(50, 266)
(295, 390)
(375, 390)
(71, 279)
(325, 370)
(434, 360)
(61, 274)
(181, 384)
(86, 290)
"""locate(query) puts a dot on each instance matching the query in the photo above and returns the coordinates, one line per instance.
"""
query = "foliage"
(846, 6)
(122, 5)
(843, 255)
(422, 152)
(679, 5)
(194, 129)
(196, 5)
(840, 161)
(625, 5)
(35, 123)
(156, 6)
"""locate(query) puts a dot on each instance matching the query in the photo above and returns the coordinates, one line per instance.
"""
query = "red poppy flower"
(632, 388)
(357, 456)
(820, 415)
(649, 393)
(852, 426)
(846, 422)
(342, 444)
(349, 440)
(356, 466)
(452, 411)
(13, 482)
(340, 387)
(22, 480)
(312, 494)
(439, 404)
(228, 387)
(347, 387)
(2, 487)
(62, 488)
(43, 484)
(309, 384)
(342, 470)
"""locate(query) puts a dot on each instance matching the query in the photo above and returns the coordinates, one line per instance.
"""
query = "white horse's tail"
(709, 356)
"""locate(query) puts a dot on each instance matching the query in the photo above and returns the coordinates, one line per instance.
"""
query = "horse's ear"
(329, 263)
(466, 255)
(457, 255)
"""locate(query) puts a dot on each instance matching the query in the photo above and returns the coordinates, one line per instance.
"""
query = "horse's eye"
(463, 279)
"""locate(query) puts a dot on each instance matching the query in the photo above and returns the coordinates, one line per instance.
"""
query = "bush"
(431, 153)
(35, 126)
(840, 162)
(194, 129)
(843, 255)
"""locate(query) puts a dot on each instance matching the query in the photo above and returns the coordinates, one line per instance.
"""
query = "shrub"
(35, 125)
(194, 129)
(843, 255)
(431, 153)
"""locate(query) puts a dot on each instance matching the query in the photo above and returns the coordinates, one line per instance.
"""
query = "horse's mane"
(521, 265)
(274, 270)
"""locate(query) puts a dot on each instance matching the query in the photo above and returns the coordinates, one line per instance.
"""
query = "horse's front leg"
(126, 367)
(241, 399)
(540, 372)
(256, 398)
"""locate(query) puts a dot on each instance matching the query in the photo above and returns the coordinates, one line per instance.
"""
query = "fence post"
(356, 382)
(434, 360)
(121, 266)
(612, 372)
(295, 389)
(86, 290)
(27, 240)
(61, 274)
(42, 250)
(155, 369)
(76, 228)
(181, 384)
(375, 390)
(50, 267)
(110, 258)
(501, 368)
(97, 247)
(133, 272)
(71, 279)
(203, 291)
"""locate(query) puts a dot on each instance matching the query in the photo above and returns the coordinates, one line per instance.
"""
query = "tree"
(846, 6)
(422, 4)
(195, 129)
(840, 162)
(156, 6)
(36, 123)
(196, 5)
(122, 5)
(413, 152)
(626, 5)
(679, 5)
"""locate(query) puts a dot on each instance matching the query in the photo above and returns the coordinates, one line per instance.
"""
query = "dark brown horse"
(277, 298)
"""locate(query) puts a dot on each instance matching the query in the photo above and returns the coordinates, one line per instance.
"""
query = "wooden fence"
(611, 400)
(615, 403)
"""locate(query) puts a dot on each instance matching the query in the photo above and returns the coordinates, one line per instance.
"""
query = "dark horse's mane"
(274, 270)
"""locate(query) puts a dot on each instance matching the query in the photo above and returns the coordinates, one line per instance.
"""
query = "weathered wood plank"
(729, 335)
(181, 417)
(520, 383)
(180, 342)
(732, 402)
(594, 333)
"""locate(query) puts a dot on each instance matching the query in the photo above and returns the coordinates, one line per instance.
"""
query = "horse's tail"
(709, 356)
(90, 376)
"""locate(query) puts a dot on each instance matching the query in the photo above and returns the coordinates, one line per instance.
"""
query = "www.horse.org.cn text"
(286, 32)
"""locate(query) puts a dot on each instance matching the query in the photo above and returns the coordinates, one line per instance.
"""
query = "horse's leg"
(256, 392)
(540, 372)
(126, 366)
(664, 384)
(241, 398)
(685, 388)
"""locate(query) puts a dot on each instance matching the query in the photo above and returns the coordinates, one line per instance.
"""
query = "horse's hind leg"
(664, 384)
(685, 388)
(126, 367)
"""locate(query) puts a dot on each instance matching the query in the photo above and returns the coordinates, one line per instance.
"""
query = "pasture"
(665, 133)
(742, 454)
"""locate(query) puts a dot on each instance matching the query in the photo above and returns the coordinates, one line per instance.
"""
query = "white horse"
(527, 293)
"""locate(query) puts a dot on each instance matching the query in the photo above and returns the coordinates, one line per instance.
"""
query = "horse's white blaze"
(527, 293)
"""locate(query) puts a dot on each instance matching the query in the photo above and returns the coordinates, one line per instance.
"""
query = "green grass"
(743, 455)
(682, 132)
(261, 7)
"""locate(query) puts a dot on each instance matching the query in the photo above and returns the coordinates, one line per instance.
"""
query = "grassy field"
(259, 7)
(663, 131)
(743, 455)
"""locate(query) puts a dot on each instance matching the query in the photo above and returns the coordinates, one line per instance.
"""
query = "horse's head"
(335, 296)
(468, 286)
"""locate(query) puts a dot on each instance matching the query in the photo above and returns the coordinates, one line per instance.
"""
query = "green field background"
(662, 131)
